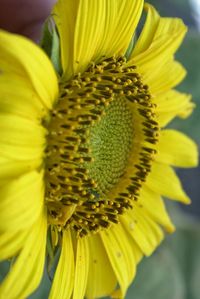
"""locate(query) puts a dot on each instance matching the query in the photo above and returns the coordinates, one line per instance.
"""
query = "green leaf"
(50, 43)
(130, 47)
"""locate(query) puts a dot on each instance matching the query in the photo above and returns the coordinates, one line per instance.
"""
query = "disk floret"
(102, 136)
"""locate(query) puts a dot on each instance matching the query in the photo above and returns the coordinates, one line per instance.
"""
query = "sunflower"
(84, 156)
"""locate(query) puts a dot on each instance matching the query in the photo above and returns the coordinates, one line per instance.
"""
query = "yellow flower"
(84, 155)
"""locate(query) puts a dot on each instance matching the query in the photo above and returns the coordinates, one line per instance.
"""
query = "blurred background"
(173, 271)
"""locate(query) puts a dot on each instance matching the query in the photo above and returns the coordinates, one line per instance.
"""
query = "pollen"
(100, 145)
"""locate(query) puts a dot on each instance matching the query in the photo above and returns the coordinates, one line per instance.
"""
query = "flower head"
(84, 155)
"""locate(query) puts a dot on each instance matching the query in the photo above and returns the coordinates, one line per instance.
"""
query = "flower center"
(111, 142)
(102, 135)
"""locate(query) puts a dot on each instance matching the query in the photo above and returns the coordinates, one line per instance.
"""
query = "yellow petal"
(26, 273)
(63, 281)
(146, 37)
(10, 169)
(136, 250)
(21, 202)
(64, 14)
(153, 204)
(21, 99)
(24, 67)
(81, 268)
(21, 57)
(11, 243)
(155, 29)
(163, 180)
(143, 229)
(161, 38)
(170, 75)
(91, 29)
(101, 278)
(121, 255)
(171, 104)
(121, 20)
(177, 149)
(21, 139)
